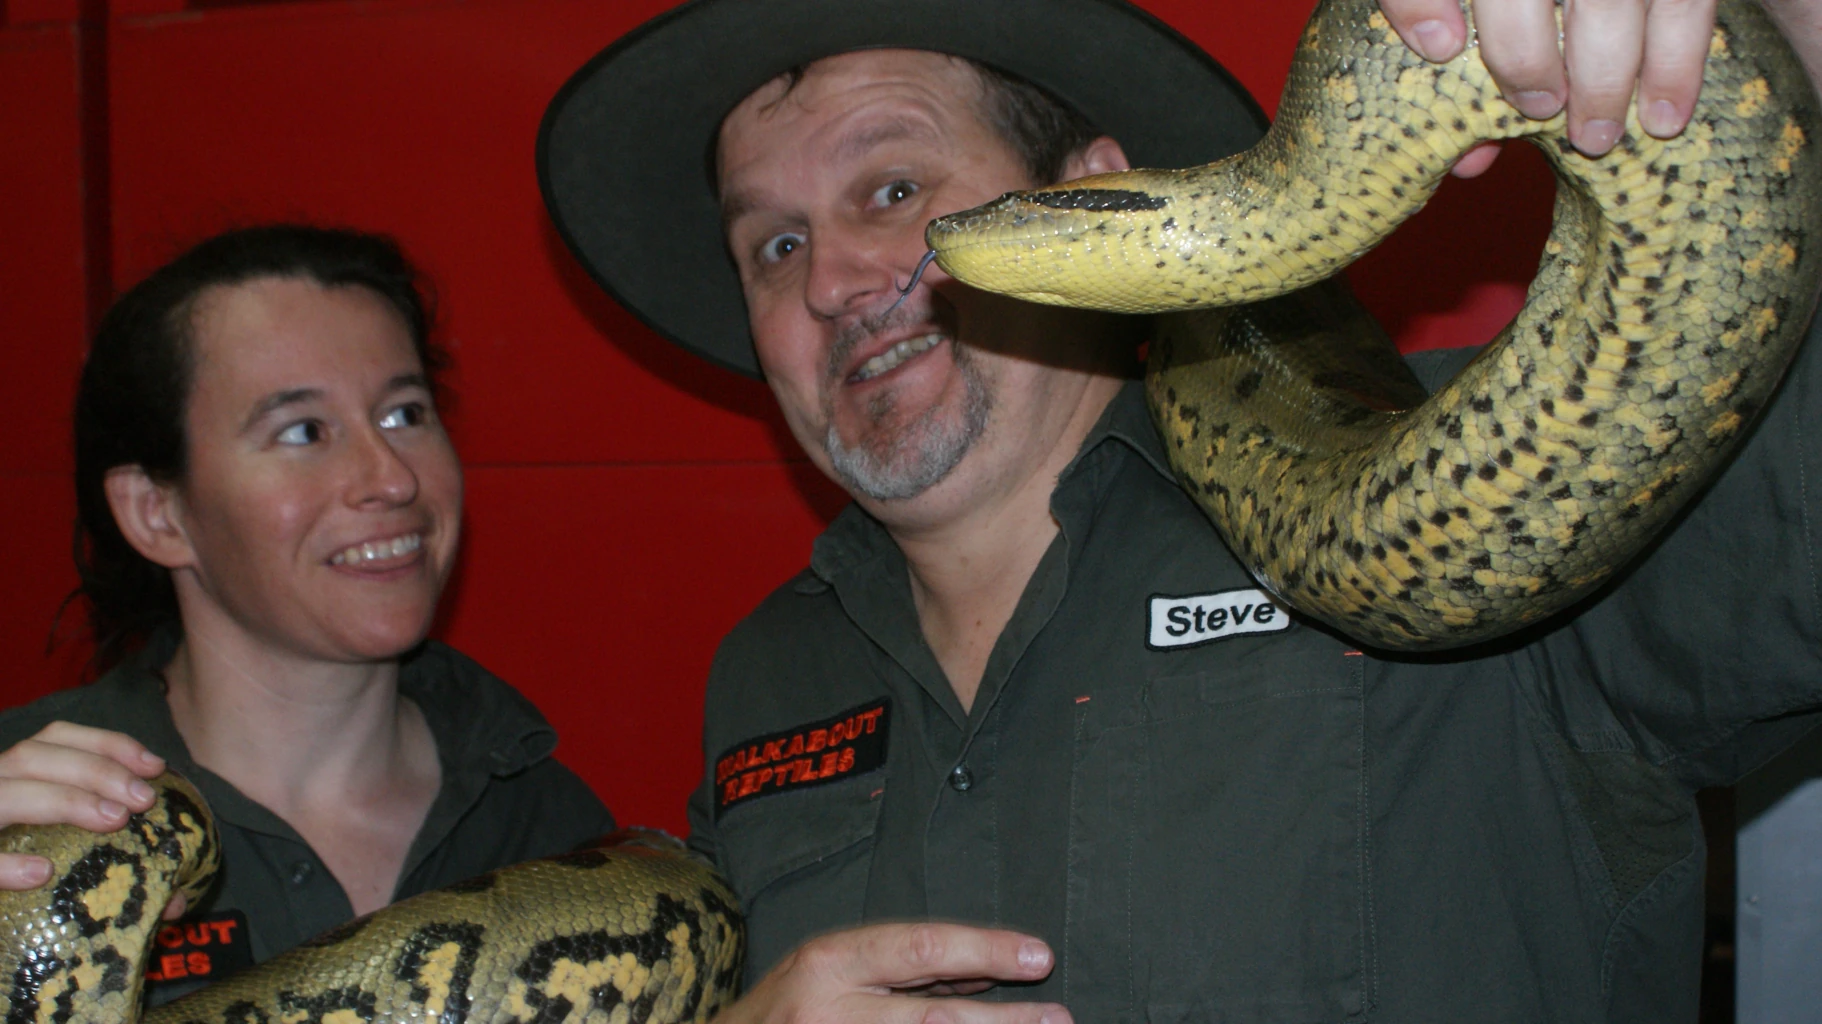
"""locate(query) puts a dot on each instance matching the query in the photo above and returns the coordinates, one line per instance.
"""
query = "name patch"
(1205, 618)
(851, 743)
(192, 952)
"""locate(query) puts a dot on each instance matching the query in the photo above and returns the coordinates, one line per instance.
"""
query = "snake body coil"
(1675, 286)
(618, 935)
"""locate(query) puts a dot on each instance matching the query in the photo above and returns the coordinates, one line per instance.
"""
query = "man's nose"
(851, 272)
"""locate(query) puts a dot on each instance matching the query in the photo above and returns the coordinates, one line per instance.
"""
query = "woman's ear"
(1102, 156)
(149, 516)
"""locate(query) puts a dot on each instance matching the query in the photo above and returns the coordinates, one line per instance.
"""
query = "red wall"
(626, 504)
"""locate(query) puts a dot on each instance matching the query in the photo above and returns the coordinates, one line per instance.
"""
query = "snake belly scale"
(622, 934)
(1674, 289)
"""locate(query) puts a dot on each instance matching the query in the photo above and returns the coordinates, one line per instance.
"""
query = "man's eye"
(301, 433)
(778, 247)
(894, 192)
(411, 414)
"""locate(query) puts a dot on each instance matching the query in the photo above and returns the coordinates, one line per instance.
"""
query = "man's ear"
(149, 516)
(1102, 156)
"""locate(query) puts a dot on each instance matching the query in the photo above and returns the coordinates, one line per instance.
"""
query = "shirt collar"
(855, 539)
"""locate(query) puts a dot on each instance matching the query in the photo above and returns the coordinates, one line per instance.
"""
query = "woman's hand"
(72, 775)
(1606, 47)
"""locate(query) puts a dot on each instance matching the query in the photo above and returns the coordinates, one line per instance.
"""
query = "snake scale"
(1674, 289)
(621, 934)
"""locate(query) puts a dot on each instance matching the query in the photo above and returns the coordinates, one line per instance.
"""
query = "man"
(1024, 686)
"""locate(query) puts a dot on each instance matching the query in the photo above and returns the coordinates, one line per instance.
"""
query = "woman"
(268, 510)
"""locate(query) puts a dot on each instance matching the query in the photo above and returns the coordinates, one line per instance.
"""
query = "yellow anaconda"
(616, 935)
(1674, 289)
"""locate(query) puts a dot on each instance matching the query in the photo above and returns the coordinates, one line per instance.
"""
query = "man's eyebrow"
(862, 139)
(854, 144)
(278, 400)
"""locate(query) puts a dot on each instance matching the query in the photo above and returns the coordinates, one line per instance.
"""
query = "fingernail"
(1034, 954)
(139, 791)
(150, 760)
(112, 810)
(1435, 41)
(1536, 104)
(35, 871)
(1661, 118)
(1597, 136)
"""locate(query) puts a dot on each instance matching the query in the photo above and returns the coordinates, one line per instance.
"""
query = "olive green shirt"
(503, 798)
(1213, 809)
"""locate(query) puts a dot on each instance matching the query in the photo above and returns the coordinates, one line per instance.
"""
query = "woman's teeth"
(374, 551)
(895, 355)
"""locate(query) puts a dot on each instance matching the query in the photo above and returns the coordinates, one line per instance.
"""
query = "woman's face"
(323, 500)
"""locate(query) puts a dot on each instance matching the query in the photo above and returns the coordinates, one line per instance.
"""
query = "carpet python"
(621, 934)
(1674, 289)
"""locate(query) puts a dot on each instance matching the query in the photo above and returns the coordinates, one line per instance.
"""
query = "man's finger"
(1603, 45)
(1519, 43)
(900, 956)
(21, 871)
(1434, 28)
(897, 1009)
(1677, 34)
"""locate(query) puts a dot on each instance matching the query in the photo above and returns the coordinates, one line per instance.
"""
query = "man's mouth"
(373, 551)
(891, 358)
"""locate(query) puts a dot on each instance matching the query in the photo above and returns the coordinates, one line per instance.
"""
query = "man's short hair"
(1042, 130)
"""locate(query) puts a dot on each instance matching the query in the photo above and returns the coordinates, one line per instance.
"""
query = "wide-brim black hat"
(625, 154)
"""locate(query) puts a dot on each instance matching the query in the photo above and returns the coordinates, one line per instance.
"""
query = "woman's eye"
(894, 192)
(301, 433)
(778, 247)
(412, 414)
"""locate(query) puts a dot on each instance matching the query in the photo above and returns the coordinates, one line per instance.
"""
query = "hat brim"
(625, 152)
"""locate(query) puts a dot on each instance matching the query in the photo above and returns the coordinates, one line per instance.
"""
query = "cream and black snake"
(1674, 289)
(1675, 286)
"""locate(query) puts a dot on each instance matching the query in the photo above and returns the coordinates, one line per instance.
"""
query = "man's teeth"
(374, 551)
(896, 354)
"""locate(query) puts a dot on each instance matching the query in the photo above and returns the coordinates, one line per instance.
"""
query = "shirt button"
(301, 872)
(961, 779)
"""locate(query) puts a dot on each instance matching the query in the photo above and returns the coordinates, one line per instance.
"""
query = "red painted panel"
(419, 118)
(601, 592)
(41, 272)
(35, 548)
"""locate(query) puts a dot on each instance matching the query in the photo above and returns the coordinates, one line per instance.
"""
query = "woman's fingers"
(22, 871)
(1519, 43)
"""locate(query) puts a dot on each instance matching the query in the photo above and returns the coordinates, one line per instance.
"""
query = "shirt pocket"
(1218, 842)
(799, 862)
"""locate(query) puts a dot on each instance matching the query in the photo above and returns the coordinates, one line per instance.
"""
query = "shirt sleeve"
(1708, 651)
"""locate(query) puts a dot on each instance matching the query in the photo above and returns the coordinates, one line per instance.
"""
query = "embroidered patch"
(851, 743)
(192, 952)
(1205, 618)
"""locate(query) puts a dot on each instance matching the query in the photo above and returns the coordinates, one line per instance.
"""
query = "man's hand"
(73, 775)
(890, 973)
(1607, 46)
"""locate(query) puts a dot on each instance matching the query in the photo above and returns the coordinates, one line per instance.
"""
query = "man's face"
(826, 189)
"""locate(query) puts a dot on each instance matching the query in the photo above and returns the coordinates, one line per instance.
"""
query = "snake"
(1673, 291)
(631, 930)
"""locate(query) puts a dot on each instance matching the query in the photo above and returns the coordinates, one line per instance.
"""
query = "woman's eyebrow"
(278, 400)
(406, 381)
